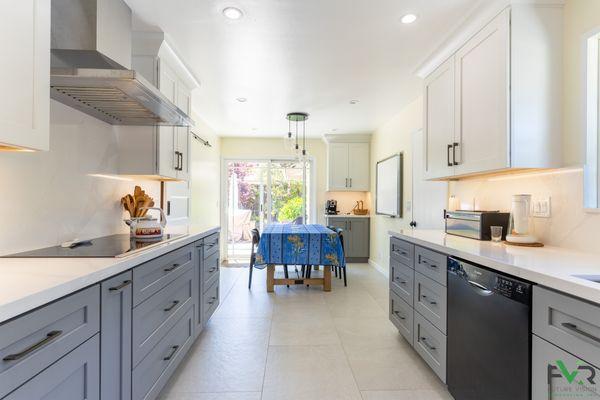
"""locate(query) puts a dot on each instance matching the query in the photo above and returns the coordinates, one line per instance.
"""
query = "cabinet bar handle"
(399, 316)
(574, 328)
(213, 269)
(424, 340)
(450, 164)
(454, 146)
(212, 300)
(121, 286)
(172, 268)
(173, 304)
(433, 303)
(173, 351)
(350, 182)
(49, 338)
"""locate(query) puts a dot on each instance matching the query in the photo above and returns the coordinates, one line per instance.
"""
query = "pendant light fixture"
(299, 147)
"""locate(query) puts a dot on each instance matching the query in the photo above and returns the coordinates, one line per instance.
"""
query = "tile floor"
(303, 344)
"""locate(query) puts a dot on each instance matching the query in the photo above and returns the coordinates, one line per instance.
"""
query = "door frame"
(311, 213)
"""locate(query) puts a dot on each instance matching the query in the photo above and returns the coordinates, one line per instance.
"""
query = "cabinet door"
(338, 166)
(358, 166)
(115, 337)
(482, 99)
(184, 99)
(167, 135)
(359, 231)
(439, 121)
(76, 376)
(25, 72)
(557, 374)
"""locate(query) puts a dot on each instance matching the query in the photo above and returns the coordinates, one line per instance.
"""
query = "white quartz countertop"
(553, 267)
(27, 283)
(346, 216)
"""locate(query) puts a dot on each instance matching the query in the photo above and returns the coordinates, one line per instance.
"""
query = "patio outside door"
(262, 192)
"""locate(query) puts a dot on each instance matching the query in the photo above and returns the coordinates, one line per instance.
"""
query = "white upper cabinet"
(482, 93)
(25, 75)
(348, 165)
(495, 104)
(439, 121)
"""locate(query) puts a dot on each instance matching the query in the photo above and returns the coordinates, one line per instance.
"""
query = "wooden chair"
(255, 240)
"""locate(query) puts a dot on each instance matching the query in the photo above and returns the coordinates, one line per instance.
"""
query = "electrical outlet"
(541, 207)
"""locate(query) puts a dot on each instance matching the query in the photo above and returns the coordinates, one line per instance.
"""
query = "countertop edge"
(578, 288)
(40, 298)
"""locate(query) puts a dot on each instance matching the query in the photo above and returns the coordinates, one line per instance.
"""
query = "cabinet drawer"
(154, 275)
(430, 343)
(430, 300)
(76, 376)
(211, 267)
(431, 264)
(210, 301)
(402, 251)
(159, 313)
(549, 383)
(402, 280)
(36, 340)
(401, 315)
(150, 376)
(211, 245)
(569, 323)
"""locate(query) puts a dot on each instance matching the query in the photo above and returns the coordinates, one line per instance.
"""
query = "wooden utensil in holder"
(137, 204)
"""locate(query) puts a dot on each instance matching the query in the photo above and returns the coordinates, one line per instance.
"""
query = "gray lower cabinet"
(418, 301)
(36, 340)
(557, 374)
(115, 337)
(75, 376)
(356, 236)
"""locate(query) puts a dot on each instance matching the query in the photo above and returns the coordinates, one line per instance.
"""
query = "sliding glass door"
(262, 192)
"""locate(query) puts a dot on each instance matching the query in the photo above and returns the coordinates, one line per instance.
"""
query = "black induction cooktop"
(103, 247)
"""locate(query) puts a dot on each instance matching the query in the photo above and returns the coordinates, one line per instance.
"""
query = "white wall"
(205, 173)
(393, 137)
(50, 197)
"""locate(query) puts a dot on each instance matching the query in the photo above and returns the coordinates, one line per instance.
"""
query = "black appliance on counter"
(114, 246)
(476, 224)
(331, 207)
(489, 334)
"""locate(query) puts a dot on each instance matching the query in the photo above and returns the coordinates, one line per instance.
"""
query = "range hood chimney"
(90, 61)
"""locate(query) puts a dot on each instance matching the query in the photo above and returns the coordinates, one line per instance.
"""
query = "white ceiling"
(303, 55)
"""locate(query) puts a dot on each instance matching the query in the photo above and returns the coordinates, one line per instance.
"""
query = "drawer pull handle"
(399, 316)
(575, 329)
(212, 300)
(49, 338)
(424, 340)
(401, 281)
(172, 306)
(173, 351)
(433, 303)
(425, 262)
(121, 286)
(172, 268)
(213, 269)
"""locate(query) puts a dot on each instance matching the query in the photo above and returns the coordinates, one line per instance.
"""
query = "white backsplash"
(569, 226)
(50, 197)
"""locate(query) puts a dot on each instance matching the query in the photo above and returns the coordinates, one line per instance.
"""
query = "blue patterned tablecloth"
(299, 245)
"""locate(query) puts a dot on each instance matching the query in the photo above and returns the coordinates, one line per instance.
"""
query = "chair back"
(340, 233)
(255, 240)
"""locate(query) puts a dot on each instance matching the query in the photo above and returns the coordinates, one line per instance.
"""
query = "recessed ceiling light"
(233, 13)
(353, 101)
(242, 99)
(408, 19)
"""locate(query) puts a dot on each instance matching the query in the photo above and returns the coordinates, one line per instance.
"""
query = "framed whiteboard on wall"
(388, 189)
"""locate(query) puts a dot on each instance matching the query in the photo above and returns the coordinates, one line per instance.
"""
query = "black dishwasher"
(489, 334)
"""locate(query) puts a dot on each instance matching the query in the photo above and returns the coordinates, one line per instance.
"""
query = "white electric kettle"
(147, 227)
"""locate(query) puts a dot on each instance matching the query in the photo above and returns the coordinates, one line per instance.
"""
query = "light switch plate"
(541, 207)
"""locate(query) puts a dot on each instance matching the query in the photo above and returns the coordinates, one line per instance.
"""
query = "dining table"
(307, 245)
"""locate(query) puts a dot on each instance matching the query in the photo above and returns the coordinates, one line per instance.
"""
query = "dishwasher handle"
(480, 288)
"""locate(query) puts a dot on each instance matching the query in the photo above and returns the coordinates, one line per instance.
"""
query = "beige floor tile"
(356, 307)
(423, 394)
(289, 312)
(390, 369)
(213, 396)
(308, 373)
(303, 332)
(225, 333)
(376, 332)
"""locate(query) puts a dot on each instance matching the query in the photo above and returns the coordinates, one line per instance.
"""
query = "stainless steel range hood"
(85, 77)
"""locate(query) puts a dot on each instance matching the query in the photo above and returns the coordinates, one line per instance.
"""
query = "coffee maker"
(331, 207)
